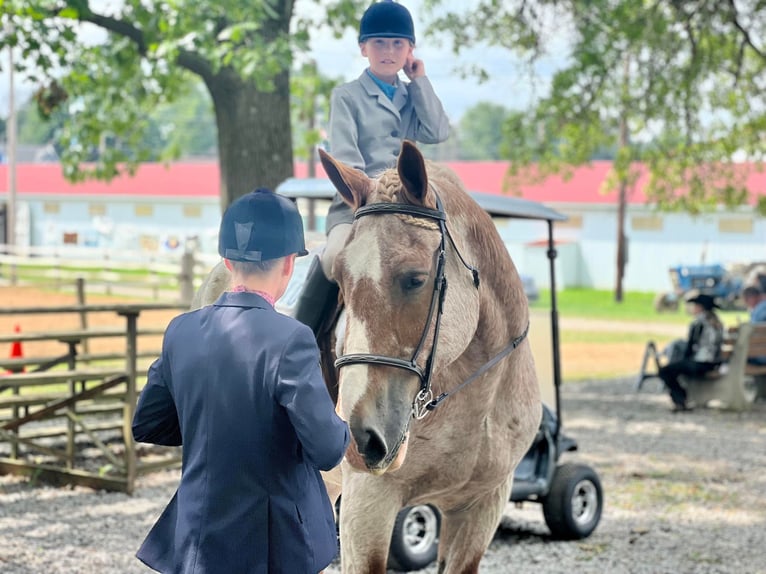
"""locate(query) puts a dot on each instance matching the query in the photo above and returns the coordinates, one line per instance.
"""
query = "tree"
(311, 93)
(481, 131)
(241, 50)
(677, 87)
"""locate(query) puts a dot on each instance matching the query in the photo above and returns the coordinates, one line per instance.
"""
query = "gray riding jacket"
(367, 128)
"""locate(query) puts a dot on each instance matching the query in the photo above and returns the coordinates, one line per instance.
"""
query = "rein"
(424, 401)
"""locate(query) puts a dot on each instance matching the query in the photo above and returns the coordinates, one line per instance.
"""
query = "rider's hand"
(414, 68)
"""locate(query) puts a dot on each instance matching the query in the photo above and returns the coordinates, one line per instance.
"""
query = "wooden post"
(83, 313)
(70, 425)
(186, 275)
(131, 318)
(15, 444)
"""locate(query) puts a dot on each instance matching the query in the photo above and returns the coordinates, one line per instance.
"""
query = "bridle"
(424, 401)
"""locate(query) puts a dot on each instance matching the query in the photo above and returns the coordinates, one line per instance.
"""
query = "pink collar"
(242, 289)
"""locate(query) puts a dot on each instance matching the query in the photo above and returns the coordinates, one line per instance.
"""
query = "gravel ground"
(684, 493)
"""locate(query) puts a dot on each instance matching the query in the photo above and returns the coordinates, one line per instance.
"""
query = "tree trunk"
(254, 140)
(621, 247)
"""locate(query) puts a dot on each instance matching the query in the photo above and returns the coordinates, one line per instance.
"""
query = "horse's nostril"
(372, 447)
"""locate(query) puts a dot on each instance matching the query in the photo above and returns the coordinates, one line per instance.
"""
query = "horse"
(428, 362)
(435, 376)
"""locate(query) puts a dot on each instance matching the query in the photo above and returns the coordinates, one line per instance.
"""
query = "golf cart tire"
(415, 538)
(572, 508)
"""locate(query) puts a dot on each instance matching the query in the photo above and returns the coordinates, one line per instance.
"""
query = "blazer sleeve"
(302, 392)
(432, 124)
(156, 419)
(343, 133)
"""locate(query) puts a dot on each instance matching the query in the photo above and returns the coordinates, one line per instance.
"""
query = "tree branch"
(745, 34)
(195, 63)
(117, 26)
(186, 59)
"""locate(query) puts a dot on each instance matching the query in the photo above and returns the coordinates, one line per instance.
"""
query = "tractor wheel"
(665, 302)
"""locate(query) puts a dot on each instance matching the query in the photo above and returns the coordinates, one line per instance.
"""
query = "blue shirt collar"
(388, 89)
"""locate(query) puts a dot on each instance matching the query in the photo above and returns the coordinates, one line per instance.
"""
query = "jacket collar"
(373, 90)
(242, 299)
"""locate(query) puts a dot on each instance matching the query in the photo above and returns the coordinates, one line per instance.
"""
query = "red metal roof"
(201, 179)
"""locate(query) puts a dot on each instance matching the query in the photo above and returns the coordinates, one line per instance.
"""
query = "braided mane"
(387, 191)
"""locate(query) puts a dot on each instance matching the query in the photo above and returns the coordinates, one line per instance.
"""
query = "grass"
(635, 306)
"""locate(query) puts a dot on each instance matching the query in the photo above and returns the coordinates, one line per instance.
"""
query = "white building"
(159, 208)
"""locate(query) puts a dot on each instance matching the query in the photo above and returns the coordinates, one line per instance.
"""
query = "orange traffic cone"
(16, 350)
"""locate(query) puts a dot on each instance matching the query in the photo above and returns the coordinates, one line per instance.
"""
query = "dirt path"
(684, 493)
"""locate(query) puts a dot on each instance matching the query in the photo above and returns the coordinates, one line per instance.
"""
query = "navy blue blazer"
(239, 385)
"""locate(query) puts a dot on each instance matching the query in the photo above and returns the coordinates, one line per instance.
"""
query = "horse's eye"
(412, 282)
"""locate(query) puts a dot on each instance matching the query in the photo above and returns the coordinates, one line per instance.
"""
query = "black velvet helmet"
(386, 19)
(260, 226)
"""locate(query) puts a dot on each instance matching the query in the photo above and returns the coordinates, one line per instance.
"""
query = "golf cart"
(570, 493)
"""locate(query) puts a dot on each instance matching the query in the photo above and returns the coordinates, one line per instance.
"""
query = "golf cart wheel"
(572, 508)
(415, 539)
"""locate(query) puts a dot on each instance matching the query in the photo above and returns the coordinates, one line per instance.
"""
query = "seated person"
(702, 353)
(755, 300)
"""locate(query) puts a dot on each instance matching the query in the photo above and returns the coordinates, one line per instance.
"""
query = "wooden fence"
(150, 276)
(65, 415)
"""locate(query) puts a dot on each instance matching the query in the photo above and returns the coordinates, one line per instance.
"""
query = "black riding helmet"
(386, 19)
(260, 226)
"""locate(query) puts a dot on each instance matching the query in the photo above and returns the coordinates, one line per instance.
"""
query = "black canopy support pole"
(555, 329)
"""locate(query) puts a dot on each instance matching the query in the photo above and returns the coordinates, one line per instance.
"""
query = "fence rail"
(56, 410)
(155, 276)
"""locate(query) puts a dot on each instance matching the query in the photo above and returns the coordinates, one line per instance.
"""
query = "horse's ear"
(412, 173)
(353, 185)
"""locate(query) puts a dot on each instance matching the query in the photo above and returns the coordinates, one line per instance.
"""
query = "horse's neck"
(503, 304)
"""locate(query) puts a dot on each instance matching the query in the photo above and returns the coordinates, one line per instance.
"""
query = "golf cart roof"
(496, 205)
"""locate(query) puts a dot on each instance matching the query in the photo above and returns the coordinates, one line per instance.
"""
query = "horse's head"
(389, 276)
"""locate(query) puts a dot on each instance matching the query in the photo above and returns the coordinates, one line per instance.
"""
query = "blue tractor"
(713, 279)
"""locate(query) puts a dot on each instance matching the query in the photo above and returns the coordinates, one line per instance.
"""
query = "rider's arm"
(343, 132)
(432, 125)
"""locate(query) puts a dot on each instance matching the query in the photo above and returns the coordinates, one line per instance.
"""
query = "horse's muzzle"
(374, 453)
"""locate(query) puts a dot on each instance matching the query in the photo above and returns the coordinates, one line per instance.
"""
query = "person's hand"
(414, 68)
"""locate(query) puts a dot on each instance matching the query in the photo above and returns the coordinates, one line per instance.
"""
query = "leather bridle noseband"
(424, 401)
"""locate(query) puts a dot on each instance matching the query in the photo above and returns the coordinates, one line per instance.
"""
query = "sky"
(340, 58)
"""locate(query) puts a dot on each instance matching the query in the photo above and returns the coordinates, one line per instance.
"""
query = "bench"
(733, 385)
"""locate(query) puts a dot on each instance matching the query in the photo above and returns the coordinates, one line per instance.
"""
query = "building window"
(573, 221)
(735, 225)
(144, 210)
(192, 211)
(51, 207)
(646, 223)
(96, 209)
(149, 243)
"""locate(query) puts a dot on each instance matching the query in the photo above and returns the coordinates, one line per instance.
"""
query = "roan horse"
(436, 378)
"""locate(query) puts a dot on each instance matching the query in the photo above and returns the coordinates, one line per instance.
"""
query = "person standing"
(239, 386)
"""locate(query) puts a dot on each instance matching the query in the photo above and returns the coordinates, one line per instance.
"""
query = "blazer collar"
(373, 90)
(242, 299)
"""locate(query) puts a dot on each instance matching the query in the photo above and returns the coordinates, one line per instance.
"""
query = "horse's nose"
(372, 446)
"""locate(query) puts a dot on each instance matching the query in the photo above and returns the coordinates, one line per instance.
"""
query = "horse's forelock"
(389, 189)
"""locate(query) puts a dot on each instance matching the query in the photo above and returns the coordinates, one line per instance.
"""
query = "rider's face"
(386, 56)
